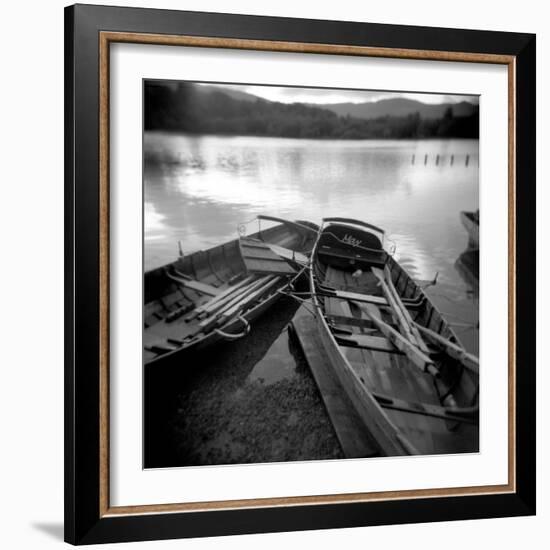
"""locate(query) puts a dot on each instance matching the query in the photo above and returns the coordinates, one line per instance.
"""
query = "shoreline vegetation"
(202, 110)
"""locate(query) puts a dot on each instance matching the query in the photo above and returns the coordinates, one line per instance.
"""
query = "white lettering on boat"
(348, 239)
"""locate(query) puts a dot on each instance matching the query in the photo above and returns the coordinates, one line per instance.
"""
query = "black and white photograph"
(310, 273)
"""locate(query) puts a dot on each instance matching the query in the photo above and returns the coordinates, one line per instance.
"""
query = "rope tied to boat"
(307, 305)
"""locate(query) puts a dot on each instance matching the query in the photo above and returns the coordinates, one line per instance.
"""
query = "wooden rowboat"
(408, 376)
(214, 295)
(470, 220)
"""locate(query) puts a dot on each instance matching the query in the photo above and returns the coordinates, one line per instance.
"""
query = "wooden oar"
(210, 308)
(224, 304)
(236, 298)
(225, 316)
(239, 300)
(238, 307)
(417, 357)
(471, 362)
(403, 316)
(407, 316)
(220, 317)
(395, 307)
(218, 300)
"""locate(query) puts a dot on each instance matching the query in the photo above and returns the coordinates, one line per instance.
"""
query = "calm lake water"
(198, 189)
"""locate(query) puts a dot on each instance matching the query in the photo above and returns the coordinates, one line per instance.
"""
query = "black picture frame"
(85, 523)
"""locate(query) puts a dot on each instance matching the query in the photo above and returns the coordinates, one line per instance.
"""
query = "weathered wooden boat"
(470, 220)
(400, 363)
(214, 295)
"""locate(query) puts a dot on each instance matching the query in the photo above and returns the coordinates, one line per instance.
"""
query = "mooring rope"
(305, 303)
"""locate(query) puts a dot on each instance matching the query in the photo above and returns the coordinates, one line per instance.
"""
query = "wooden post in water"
(452, 159)
(467, 160)
(437, 160)
(425, 159)
(412, 161)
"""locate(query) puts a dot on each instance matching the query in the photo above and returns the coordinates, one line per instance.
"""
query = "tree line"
(186, 108)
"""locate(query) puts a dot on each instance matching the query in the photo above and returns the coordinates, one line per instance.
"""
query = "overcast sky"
(286, 94)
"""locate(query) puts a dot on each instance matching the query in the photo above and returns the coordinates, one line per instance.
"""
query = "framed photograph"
(300, 274)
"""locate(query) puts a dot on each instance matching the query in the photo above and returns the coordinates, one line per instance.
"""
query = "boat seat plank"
(259, 258)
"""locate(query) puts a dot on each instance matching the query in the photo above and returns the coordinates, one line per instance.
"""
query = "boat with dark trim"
(408, 376)
(214, 295)
(470, 220)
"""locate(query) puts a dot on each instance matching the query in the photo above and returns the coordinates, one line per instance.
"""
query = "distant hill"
(230, 92)
(399, 107)
(197, 109)
(396, 107)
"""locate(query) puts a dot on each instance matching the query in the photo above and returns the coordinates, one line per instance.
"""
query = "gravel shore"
(246, 402)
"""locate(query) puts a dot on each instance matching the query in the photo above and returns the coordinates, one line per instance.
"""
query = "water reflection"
(203, 187)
